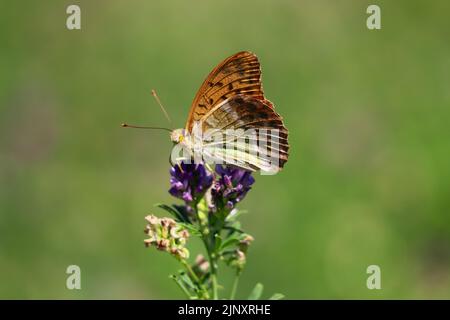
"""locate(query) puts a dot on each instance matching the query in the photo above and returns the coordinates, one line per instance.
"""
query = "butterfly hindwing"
(237, 117)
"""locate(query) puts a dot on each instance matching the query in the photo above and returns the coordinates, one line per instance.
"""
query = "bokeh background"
(368, 180)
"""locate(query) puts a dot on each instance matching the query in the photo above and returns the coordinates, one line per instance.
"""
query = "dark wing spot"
(248, 118)
(237, 101)
(250, 106)
(263, 115)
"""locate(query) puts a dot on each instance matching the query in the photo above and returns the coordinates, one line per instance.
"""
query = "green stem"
(182, 287)
(214, 280)
(208, 239)
(235, 285)
(212, 265)
(190, 271)
(214, 286)
(204, 292)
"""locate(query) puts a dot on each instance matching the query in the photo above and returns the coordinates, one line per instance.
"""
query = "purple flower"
(230, 187)
(189, 181)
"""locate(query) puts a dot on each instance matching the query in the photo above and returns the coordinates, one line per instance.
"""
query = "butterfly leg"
(178, 163)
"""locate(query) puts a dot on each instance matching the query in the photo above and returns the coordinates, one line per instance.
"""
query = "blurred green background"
(368, 180)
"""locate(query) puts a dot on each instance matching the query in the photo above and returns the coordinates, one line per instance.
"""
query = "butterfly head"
(177, 135)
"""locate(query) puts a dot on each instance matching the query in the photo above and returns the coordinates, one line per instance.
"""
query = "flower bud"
(167, 235)
(245, 242)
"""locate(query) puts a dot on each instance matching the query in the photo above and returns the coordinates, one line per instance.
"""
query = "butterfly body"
(231, 122)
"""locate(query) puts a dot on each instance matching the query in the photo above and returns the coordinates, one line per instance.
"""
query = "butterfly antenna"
(161, 106)
(126, 125)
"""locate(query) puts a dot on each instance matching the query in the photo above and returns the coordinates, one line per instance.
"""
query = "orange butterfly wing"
(239, 74)
(232, 97)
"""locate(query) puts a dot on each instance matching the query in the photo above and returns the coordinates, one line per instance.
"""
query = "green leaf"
(233, 217)
(181, 285)
(191, 228)
(256, 292)
(233, 229)
(218, 243)
(277, 296)
(187, 280)
(172, 211)
(228, 243)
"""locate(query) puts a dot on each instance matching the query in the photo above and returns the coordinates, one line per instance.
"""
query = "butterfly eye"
(177, 135)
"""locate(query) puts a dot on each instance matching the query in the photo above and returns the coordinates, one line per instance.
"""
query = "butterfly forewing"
(238, 74)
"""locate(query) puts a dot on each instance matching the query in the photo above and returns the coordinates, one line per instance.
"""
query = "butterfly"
(229, 104)
(231, 122)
